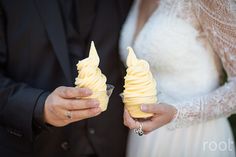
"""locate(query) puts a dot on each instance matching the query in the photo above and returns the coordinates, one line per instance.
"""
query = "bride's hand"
(162, 115)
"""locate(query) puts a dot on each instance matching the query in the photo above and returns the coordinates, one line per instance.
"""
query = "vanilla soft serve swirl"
(90, 76)
(140, 86)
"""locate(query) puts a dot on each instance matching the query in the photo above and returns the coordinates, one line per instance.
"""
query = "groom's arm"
(17, 99)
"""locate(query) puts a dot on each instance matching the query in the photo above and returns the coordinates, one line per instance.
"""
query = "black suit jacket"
(34, 60)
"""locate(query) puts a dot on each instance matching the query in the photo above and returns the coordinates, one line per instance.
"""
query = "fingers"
(151, 125)
(61, 116)
(84, 114)
(63, 102)
(79, 104)
(72, 92)
(158, 121)
(129, 121)
(163, 114)
(153, 108)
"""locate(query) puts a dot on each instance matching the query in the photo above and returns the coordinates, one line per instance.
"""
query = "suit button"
(15, 133)
(91, 131)
(65, 146)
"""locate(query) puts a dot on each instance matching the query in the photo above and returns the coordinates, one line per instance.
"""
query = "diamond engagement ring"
(139, 130)
(68, 114)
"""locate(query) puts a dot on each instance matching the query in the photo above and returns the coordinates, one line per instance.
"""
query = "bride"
(191, 48)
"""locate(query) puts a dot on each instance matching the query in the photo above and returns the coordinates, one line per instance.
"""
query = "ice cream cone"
(140, 86)
(90, 76)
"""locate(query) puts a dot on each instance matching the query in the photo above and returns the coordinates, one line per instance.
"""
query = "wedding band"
(139, 130)
(69, 115)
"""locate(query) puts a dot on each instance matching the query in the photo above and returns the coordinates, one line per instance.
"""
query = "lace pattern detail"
(220, 103)
(218, 21)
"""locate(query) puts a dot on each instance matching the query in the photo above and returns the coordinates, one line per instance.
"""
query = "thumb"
(154, 108)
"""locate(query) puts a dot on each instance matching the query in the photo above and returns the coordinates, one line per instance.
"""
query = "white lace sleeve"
(218, 20)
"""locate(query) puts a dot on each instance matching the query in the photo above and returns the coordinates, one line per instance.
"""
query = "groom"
(40, 44)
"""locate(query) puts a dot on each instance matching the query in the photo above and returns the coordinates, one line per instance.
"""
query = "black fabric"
(76, 42)
(77, 28)
(35, 58)
(38, 114)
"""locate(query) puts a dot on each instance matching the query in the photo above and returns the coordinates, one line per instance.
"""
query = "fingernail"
(143, 108)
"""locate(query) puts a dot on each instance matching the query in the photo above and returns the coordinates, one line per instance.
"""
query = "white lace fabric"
(217, 19)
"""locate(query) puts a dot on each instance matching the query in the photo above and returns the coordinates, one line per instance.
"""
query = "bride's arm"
(218, 20)
(221, 102)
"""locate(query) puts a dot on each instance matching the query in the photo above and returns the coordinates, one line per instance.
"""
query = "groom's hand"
(63, 106)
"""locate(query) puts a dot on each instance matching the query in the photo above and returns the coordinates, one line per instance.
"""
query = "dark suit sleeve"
(17, 99)
(38, 117)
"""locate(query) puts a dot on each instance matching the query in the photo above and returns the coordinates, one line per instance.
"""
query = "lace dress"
(190, 45)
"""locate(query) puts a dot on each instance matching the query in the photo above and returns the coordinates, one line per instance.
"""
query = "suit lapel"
(50, 14)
